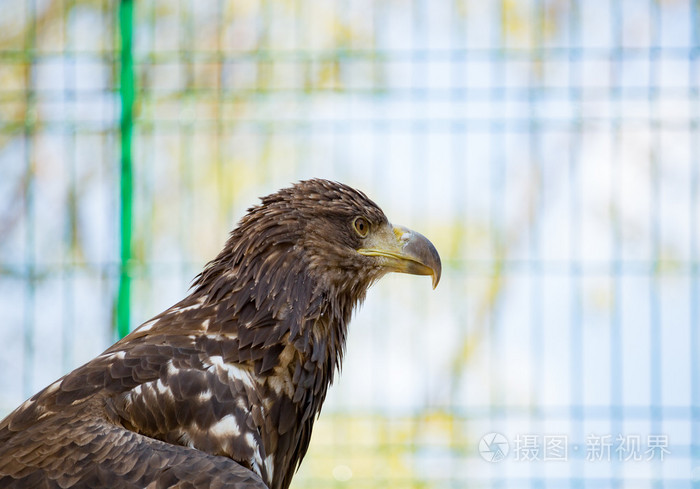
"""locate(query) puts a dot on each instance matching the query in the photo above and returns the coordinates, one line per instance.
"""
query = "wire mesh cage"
(548, 148)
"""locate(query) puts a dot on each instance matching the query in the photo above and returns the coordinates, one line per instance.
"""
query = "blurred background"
(548, 148)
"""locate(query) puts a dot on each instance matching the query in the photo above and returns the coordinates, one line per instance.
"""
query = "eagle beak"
(403, 250)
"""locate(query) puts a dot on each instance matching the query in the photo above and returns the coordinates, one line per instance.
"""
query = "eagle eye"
(361, 226)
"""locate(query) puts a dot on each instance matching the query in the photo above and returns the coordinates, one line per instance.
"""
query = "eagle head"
(321, 234)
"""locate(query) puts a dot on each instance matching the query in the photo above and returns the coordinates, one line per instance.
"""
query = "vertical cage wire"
(126, 95)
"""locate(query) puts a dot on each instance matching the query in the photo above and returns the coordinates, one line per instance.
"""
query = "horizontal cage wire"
(548, 148)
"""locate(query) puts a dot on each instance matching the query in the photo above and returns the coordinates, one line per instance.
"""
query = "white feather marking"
(270, 466)
(53, 387)
(187, 308)
(162, 388)
(185, 439)
(232, 370)
(146, 326)
(226, 427)
(281, 384)
(172, 371)
(222, 336)
(115, 355)
(25, 405)
(204, 396)
(239, 373)
(217, 360)
(256, 462)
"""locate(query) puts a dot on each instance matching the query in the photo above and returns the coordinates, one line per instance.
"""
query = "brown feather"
(223, 388)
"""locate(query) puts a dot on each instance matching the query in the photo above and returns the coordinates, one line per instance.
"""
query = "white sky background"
(588, 162)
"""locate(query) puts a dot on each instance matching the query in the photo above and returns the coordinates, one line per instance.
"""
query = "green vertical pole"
(126, 94)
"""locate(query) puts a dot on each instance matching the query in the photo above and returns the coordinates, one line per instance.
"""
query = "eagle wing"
(85, 451)
(122, 421)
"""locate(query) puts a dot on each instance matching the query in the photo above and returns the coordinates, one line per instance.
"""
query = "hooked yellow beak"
(403, 250)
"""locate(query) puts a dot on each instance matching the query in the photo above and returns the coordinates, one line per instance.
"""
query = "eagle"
(222, 389)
